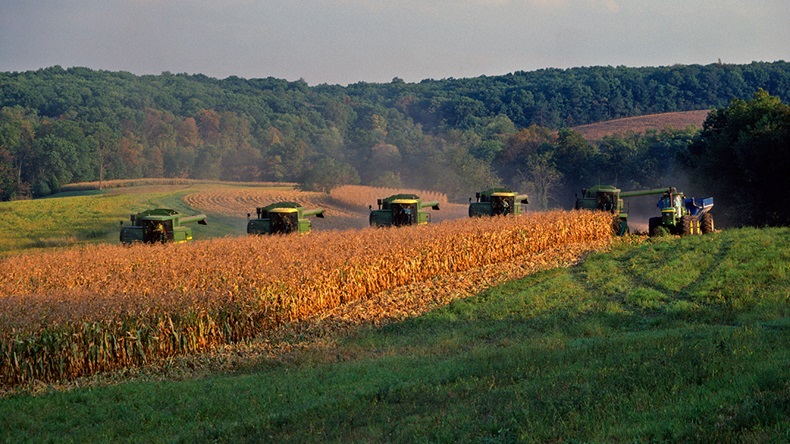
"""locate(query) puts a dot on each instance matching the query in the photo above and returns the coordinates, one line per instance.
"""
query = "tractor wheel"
(616, 226)
(706, 223)
(654, 226)
(686, 225)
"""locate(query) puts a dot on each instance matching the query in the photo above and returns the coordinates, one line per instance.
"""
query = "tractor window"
(665, 202)
(284, 222)
(502, 205)
(157, 231)
(403, 214)
(605, 201)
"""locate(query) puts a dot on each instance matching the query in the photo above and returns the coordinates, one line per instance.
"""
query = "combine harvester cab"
(159, 225)
(681, 215)
(496, 201)
(401, 210)
(605, 198)
(282, 218)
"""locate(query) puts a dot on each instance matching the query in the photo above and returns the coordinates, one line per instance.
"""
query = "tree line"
(454, 135)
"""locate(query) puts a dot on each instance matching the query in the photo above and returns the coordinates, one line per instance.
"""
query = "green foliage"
(673, 340)
(742, 156)
(328, 174)
(41, 189)
(77, 124)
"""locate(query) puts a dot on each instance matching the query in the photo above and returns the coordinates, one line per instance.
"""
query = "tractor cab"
(502, 205)
(404, 212)
(401, 210)
(157, 231)
(497, 202)
(159, 225)
(284, 220)
(605, 200)
(671, 206)
(601, 198)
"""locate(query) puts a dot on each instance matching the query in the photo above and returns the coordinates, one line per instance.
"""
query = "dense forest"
(59, 126)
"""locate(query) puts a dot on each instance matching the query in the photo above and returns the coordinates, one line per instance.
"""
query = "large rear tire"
(619, 226)
(686, 225)
(706, 223)
(615, 226)
(654, 226)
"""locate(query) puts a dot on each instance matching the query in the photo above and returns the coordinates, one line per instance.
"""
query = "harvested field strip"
(240, 201)
(73, 313)
(358, 197)
(345, 208)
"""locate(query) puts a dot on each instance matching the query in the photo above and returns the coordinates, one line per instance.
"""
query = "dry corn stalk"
(71, 313)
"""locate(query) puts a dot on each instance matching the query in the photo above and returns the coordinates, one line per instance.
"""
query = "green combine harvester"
(495, 202)
(401, 210)
(679, 215)
(282, 218)
(160, 225)
(610, 199)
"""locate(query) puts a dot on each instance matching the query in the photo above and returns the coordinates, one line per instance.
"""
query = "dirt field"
(678, 120)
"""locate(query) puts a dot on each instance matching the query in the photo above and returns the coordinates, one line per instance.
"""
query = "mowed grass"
(673, 340)
(91, 216)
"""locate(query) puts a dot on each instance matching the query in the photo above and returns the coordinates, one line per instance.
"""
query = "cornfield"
(72, 313)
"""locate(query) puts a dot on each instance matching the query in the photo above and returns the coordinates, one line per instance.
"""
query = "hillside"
(60, 126)
(632, 345)
(640, 124)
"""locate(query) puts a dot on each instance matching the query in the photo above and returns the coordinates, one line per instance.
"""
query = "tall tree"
(540, 178)
(17, 132)
(742, 156)
(106, 142)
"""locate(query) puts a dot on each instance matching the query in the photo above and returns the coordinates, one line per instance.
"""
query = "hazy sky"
(346, 41)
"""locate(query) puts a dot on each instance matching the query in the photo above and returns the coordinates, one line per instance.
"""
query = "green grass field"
(90, 216)
(673, 340)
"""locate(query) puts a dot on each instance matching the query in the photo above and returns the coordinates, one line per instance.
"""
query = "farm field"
(640, 124)
(668, 339)
(85, 215)
(80, 311)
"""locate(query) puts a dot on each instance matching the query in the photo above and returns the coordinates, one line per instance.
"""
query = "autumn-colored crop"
(71, 313)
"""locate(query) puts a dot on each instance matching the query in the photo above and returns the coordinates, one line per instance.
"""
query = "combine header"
(495, 202)
(160, 225)
(401, 210)
(282, 218)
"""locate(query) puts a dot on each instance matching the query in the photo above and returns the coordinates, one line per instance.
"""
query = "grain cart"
(496, 201)
(401, 210)
(682, 215)
(282, 217)
(159, 225)
(610, 198)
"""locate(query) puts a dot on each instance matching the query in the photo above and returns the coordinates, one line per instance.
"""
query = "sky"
(349, 41)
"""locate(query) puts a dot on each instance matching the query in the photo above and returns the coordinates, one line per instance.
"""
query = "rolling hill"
(640, 124)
